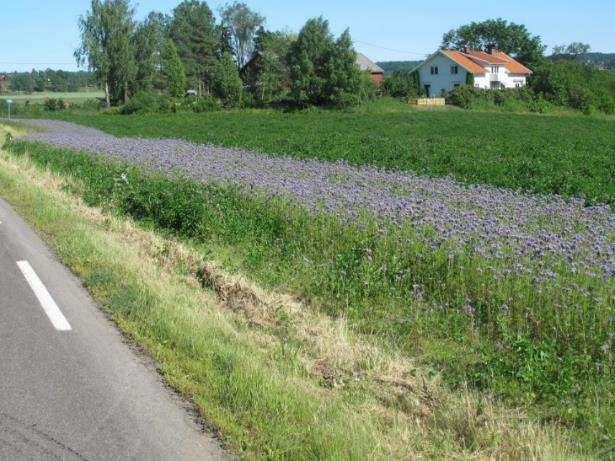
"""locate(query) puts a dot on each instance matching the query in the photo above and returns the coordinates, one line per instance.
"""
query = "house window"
(456, 85)
(454, 69)
(434, 70)
(494, 69)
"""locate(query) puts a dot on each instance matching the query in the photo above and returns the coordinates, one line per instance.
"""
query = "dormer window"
(494, 69)
(454, 69)
(434, 70)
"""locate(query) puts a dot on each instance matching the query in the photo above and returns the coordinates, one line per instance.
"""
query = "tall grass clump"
(543, 343)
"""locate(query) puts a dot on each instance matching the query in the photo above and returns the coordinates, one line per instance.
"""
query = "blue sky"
(43, 33)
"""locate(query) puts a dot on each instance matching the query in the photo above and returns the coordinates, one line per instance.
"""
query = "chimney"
(491, 49)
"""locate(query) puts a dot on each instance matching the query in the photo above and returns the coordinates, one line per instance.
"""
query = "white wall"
(444, 81)
(502, 76)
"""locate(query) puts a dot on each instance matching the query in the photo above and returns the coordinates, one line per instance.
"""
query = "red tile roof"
(513, 66)
(468, 61)
(464, 61)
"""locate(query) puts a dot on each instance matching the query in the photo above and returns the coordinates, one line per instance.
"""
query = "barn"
(367, 65)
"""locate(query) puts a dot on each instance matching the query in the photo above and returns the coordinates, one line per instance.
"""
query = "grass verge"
(278, 378)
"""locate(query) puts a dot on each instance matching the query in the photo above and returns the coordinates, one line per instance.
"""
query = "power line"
(392, 49)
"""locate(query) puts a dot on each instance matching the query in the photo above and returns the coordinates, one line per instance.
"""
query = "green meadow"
(568, 154)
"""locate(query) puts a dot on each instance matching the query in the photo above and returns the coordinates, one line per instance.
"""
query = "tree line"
(50, 80)
(236, 59)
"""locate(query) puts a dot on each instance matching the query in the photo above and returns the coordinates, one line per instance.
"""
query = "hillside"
(392, 66)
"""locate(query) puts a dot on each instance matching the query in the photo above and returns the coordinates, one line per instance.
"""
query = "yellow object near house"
(429, 102)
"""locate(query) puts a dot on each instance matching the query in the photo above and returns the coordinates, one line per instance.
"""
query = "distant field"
(571, 155)
(81, 95)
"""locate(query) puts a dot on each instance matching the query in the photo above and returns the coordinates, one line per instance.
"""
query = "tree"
(173, 70)
(267, 74)
(343, 77)
(513, 39)
(150, 38)
(226, 82)
(241, 23)
(197, 39)
(322, 71)
(107, 47)
(574, 49)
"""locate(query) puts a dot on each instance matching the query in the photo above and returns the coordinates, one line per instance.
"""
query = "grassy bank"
(409, 300)
(276, 378)
(563, 154)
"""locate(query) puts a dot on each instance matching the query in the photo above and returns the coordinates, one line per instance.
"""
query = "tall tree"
(242, 24)
(226, 82)
(267, 74)
(150, 39)
(197, 38)
(323, 71)
(173, 70)
(343, 75)
(107, 47)
(509, 37)
(307, 58)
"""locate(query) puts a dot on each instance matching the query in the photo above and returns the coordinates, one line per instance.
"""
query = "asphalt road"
(70, 388)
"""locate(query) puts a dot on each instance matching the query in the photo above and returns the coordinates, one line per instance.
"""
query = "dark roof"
(365, 63)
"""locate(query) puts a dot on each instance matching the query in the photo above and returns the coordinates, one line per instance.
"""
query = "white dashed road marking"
(47, 303)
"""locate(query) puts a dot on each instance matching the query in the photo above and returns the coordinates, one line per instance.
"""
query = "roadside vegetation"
(445, 315)
(358, 309)
(275, 376)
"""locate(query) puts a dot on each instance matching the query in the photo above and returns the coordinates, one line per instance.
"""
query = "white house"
(447, 69)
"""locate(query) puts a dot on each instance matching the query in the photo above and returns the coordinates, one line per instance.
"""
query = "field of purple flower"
(494, 222)
(569, 155)
(508, 291)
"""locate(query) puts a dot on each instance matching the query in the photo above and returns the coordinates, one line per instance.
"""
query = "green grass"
(570, 155)
(547, 360)
(247, 374)
(39, 96)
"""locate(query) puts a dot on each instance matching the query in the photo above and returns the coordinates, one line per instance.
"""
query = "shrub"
(401, 85)
(580, 98)
(538, 105)
(573, 84)
(206, 104)
(146, 102)
(606, 103)
(464, 96)
(53, 104)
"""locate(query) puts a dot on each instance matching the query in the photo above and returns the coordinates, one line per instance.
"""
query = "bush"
(401, 85)
(145, 102)
(606, 103)
(53, 104)
(573, 84)
(206, 104)
(464, 96)
(538, 105)
(580, 98)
